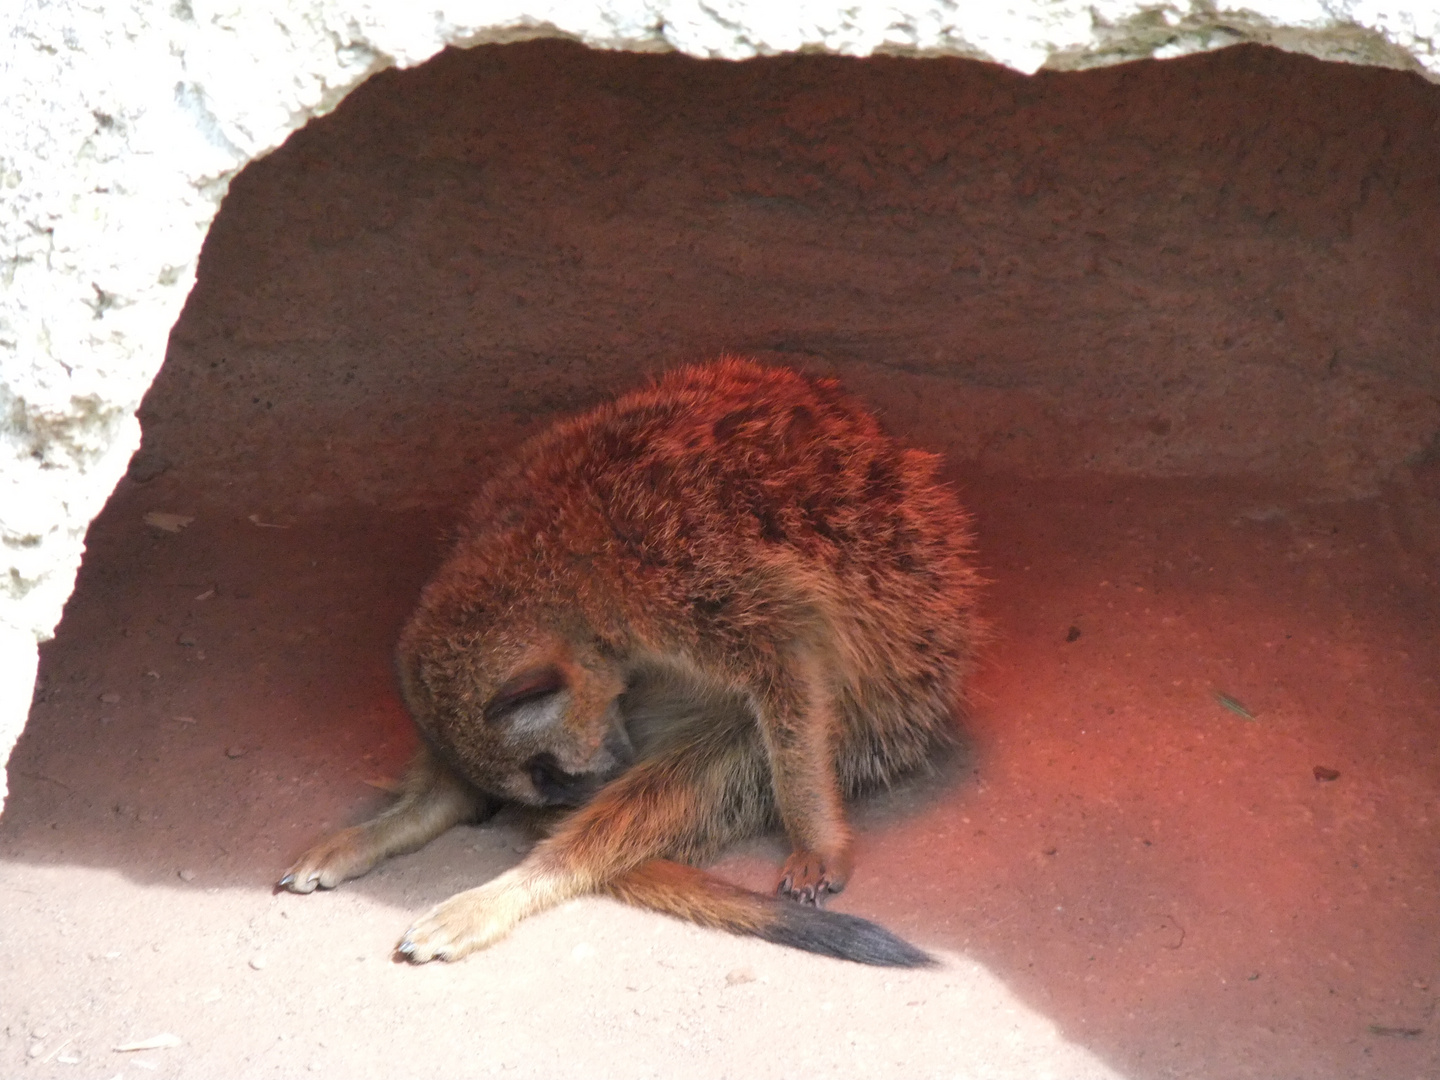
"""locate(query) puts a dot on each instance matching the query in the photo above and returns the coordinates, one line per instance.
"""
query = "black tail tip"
(846, 937)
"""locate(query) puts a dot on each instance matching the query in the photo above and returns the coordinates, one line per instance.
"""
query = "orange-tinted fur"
(723, 601)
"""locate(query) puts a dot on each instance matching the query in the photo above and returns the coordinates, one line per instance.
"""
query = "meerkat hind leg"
(432, 799)
(685, 804)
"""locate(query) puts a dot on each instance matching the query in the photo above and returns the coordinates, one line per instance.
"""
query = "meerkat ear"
(517, 700)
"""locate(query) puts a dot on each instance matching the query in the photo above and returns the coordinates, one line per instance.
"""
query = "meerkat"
(724, 602)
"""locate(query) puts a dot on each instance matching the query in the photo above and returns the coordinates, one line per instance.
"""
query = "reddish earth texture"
(1174, 327)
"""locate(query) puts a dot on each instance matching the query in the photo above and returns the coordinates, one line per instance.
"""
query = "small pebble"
(188, 640)
(1322, 773)
(187, 875)
(110, 697)
(36, 1049)
(258, 962)
(40, 1033)
(740, 975)
(234, 751)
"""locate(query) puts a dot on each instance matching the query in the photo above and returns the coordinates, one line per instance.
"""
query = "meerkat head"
(527, 709)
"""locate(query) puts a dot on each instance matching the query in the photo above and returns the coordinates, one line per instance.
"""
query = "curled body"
(724, 602)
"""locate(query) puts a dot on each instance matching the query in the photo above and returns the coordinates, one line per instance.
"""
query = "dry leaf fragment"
(1227, 702)
(164, 1041)
(159, 519)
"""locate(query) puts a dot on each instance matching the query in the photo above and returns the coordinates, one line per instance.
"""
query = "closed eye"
(527, 688)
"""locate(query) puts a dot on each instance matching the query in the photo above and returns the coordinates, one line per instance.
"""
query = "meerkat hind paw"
(457, 927)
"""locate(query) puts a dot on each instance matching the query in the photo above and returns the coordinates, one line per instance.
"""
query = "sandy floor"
(1125, 875)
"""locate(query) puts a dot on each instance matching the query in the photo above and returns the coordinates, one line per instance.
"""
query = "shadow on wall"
(1222, 264)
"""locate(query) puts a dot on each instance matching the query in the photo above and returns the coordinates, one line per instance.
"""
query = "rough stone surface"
(122, 127)
(1223, 264)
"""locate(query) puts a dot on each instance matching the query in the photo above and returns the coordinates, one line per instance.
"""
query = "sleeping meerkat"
(716, 604)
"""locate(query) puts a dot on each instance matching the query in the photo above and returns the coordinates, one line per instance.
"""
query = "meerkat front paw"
(467, 921)
(347, 854)
(809, 878)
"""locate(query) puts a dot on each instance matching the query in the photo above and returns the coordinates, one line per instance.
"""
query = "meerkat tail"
(693, 895)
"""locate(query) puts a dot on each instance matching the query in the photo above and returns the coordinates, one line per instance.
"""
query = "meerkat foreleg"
(800, 729)
(432, 799)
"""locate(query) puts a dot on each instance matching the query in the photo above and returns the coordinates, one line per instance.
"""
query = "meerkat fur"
(721, 603)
